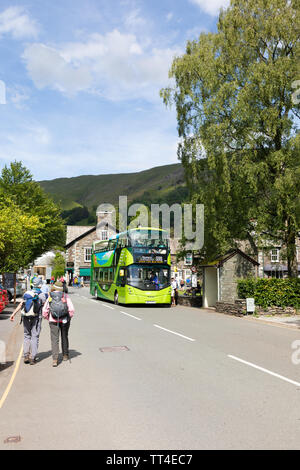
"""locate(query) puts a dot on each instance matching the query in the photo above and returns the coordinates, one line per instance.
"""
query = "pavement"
(155, 378)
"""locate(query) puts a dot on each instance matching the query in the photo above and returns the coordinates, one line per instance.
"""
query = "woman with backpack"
(59, 310)
(31, 317)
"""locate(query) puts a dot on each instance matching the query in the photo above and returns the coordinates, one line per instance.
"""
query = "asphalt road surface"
(180, 378)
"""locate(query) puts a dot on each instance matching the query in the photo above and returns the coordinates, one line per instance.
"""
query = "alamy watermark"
(296, 354)
(296, 94)
(2, 352)
(186, 221)
(2, 92)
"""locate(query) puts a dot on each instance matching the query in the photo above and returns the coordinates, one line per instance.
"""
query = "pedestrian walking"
(173, 287)
(45, 289)
(59, 310)
(31, 317)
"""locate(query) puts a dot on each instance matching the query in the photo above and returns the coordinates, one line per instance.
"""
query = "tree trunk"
(291, 249)
(252, 244)
(15, 288)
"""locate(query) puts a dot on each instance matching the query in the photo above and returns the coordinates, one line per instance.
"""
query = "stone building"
(272, 260)
(180, 269)
(220, 276)
(79, 243)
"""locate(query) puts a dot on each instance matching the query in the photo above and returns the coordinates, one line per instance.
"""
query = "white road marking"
(132, 316)
(264, 370)
(108, 306)
(175, 333)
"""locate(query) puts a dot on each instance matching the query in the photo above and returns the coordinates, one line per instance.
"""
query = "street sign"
(250, 303)
(188, 260)
(194, 280)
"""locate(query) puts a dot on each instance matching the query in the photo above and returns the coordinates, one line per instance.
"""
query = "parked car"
(9, 287)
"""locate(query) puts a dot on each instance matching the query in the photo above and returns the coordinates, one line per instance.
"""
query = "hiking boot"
(26, 359)
(55, 363)
(65, 357)
(32, 361)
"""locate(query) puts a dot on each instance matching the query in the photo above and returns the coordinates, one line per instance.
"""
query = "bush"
(271, 292)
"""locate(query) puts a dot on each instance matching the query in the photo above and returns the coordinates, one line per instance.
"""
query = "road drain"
(114, 349)
(12, 440)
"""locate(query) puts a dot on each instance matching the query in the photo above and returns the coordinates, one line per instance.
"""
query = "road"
(178, 384)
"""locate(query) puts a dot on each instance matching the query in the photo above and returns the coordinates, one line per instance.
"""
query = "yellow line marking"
(4, 396)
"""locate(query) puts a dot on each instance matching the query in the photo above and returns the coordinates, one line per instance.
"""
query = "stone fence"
(239, 308)
(190, 301)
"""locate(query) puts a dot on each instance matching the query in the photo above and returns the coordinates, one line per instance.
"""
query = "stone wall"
(239, 308)
(233, 269)
(189, 301)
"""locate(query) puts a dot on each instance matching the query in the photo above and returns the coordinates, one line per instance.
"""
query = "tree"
(17, 233)
(59, 265)
(235, 109)
(17, 183)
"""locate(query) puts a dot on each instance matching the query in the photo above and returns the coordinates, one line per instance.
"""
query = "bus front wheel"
(116, 298)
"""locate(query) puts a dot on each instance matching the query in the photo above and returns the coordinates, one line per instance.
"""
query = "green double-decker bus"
(132, 267)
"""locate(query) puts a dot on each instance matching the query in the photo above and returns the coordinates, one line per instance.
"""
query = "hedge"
(271, 292)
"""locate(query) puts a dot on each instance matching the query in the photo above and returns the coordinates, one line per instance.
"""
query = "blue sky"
(82, 81)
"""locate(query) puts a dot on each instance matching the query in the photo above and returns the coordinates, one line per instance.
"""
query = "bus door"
(121, 283)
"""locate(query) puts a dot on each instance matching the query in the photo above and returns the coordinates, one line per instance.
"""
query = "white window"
(87, 254)
(275, 255)
(104, 235)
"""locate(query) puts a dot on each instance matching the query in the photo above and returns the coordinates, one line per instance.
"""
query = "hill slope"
(159, 184)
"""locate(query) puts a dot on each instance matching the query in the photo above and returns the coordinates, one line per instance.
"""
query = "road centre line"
(132, 316)
(281, 377)
(175, 333)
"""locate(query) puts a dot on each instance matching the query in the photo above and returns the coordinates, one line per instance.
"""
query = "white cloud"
(169, 16)
(212, 7)
(115, 65)
(15, 21)
(133, 20)
(19, 95)
(48, 68)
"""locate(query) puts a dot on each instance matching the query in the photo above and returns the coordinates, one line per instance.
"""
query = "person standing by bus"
(174, 288)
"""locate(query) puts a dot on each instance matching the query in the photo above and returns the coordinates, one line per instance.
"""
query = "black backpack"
(37, 305)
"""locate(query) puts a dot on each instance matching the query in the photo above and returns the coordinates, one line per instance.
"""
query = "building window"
(87, 255)
(275, 255)
(104, 235)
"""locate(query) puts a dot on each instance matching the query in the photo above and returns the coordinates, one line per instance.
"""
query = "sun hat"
(57, 286)
(37, 282)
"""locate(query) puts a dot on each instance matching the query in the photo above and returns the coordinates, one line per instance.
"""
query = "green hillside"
(157, 185)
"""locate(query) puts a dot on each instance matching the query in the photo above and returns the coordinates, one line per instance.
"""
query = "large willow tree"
(238, 114)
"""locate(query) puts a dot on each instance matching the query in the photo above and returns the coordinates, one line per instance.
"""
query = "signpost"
(250, 303)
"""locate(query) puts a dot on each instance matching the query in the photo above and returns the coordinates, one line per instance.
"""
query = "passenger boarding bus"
(132, 267)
